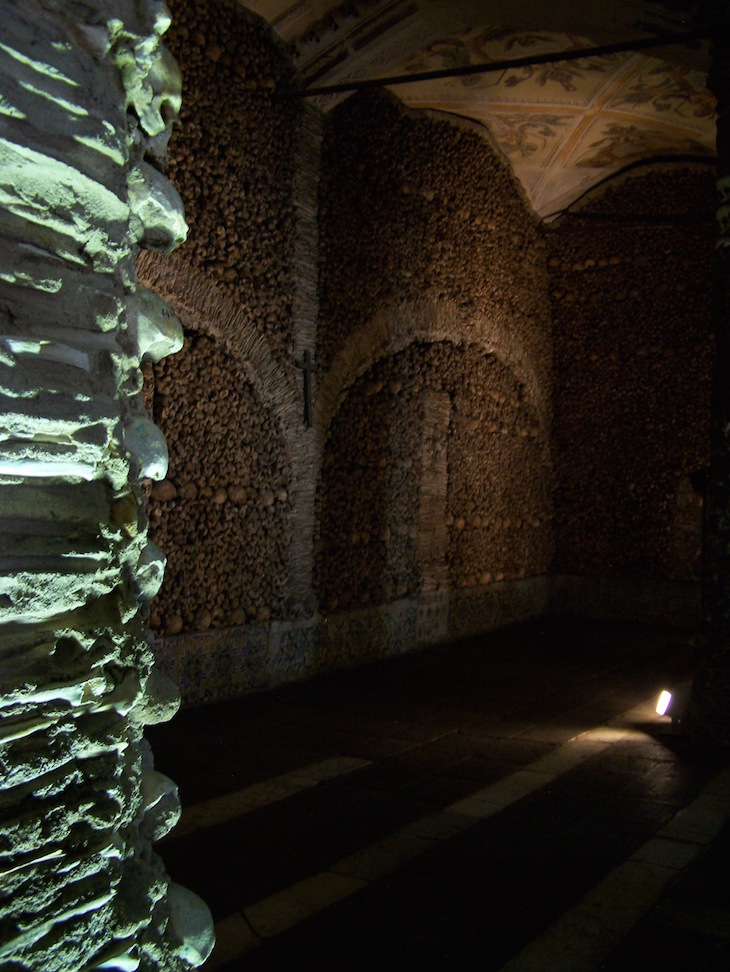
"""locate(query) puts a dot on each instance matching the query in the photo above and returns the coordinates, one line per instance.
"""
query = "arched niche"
(435, 473)
(395, 327)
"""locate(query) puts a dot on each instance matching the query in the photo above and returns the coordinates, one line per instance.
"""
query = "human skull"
(164, 91)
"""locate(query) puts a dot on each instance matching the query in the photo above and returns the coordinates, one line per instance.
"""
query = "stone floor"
(507, 802)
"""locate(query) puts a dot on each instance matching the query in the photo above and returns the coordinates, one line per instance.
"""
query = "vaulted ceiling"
(564, 126)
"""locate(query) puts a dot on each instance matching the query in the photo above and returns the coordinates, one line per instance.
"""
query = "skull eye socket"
(170, 109)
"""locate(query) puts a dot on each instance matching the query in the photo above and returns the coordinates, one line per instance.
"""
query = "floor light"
(665, 700)
(673, 704)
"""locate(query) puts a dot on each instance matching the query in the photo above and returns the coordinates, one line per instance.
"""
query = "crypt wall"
(227, 400)
(431, 450)
(232, 159)
(223, 513)
(418, 206)
(433, 277)
(495, 510)
(630, 288)
(436, 268)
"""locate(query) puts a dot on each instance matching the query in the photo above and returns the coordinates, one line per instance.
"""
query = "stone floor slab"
(233, 939)
(428, 887)
(295, 904)
(382, 857)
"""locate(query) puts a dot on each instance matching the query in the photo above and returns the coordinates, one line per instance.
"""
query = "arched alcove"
(435, 447)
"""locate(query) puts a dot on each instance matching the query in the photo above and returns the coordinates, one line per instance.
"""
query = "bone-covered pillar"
(87, 96)
(709, 715)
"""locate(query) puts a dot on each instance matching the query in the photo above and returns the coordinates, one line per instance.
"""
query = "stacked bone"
(498, 500)
(81, 803)
(633, 349)
(417, 208)
(232, 159)
(367, 502)
(222, 513)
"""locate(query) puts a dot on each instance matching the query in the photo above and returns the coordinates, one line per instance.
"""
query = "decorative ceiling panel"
(657, 89)
(573, 83)
(563, 126)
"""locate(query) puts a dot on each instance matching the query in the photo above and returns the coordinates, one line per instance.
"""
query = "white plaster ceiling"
(565, 126)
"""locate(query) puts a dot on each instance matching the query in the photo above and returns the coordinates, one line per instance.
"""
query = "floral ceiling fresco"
(564, 126)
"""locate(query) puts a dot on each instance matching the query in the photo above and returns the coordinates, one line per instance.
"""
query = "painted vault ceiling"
(564, 126)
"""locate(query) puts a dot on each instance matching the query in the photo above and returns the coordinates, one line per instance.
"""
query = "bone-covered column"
(87, 96)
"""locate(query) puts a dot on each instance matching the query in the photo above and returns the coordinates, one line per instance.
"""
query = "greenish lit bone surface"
(80, 800)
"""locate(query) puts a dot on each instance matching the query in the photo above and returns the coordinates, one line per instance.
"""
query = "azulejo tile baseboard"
(236, 661)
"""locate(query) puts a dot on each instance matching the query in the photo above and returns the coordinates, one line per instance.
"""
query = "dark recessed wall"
(496, 504)
(630, 289)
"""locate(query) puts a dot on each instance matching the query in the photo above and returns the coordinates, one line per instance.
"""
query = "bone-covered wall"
(417, 211)
(223, 511)
(233, 161)
(630, 288)
(82, 131)
(397, 248)
(414, 207)
(493, 523)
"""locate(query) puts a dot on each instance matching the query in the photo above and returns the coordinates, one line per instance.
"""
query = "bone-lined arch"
(436, 472)
(190, 294)
(277, 389)
(394, 328)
